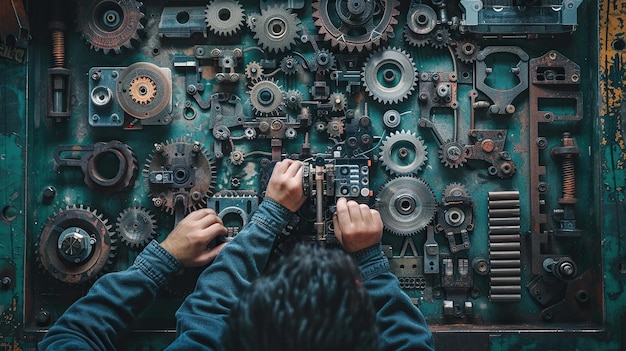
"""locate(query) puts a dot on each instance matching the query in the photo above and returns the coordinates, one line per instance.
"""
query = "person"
(234, 282)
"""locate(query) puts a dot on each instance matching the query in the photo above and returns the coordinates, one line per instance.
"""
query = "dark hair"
(311, 299)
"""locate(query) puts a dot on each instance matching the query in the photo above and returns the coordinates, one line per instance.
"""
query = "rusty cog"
(453, 154)
(455, 190)
(142, 90)
(335, 127)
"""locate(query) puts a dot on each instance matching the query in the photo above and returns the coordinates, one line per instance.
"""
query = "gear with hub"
(275, 29)
(389, 75)
(403, 153)
(406, 205)
(224, 17)
(136, 226)
(266, 97)
(453, 154)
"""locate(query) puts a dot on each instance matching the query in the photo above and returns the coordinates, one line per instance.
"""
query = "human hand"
(356, 226)
(189, 240)
(285, 185)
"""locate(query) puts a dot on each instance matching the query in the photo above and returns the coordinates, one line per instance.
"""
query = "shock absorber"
(59, 77)
(566, 215)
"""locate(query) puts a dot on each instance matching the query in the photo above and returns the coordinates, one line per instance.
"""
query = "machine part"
(15, 28)
(266, 97)
(334, 127)
(489, 146)
(275, 29)
(566, 153)
(417, 40)
(553, 77)
(389, 75)
(59, 78)
(408, 269)
(136, 226)
(290, 65)
(254, 70)
(179, 173)
(466, 51)
(109, 167)
(227, 59)
(563, 268)
(457, 279)
(76, 245)
(502, 98)
(293, 99)
(406, 205)
(224, 17)
(440, 38)
(323, 61)
(453, 154)
(109, 25)
(392, 119)
(337, 101)
(236, 157)
(360, 25)
(455, 217)
(421, 19)
(235, 210)
(144, 90)
(436, 90)
(494, 19)
(182, 22)
(431, 252)
(403, 153)
(504, 247)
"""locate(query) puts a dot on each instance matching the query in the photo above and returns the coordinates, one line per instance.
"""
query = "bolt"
(157, 202)
(43, 317)
(487, 145)
(403, 153)
(196, 195)
(191, 89)
(494, 109)
(216, 52)
(542, 143)
(6, 282)
(237, 52)
(510, 109)
(48, 194)
(453, 153)
(542, 187)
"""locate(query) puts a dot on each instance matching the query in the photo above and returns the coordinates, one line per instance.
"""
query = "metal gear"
(389, 75)
(136, 226)
(360, 24)
(236, 157)
(254, 70)
(455, 190)
(266, 97)
(466, 51)
(290, 65)
(403, 153)
(440, 38)
(421, 19)
(109, 25)
(335, 127)
(176, 171)
(406, 205)
(76, 245)
(144, 90)
(324, 61)
(452, 154)
(337, 101)
(293, 99)
(275, 29)
(224, 17)
(413, 39)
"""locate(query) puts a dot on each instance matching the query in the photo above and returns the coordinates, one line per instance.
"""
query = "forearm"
(219, 286)
(400, 323)
(98, 319)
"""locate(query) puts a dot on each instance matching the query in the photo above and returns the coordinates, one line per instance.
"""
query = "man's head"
(311, 299)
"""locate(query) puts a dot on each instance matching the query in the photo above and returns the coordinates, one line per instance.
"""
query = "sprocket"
(389, 75)
(455, 190)
(290, 65)
(466, 51)
(440, 38)
(403, 153)
(337, 101)
(335, 127)
(453, 154)
(266, 97)
(406, 205)
(224, 17)
(418, 40)
(275, 29)
(136, 226)
(254, 70)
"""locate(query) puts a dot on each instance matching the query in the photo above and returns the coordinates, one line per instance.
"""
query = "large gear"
(355, 25)
(455, 190)
(109, 25)
(421, 19)
(136, 226)
(440, 38)
(403, 153)
(466, 51)
(144, 90)
(337, 101)
(254, 70)
(453, 154)
(406, 205)
(275, 29)
(389, 75)
(76, 245)
(224, 17)
(179, 171)
(266, 97)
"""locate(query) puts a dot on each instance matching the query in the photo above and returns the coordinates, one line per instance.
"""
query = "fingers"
(208, 256)
(337, 229)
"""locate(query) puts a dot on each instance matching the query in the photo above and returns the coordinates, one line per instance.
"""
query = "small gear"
(266, 97)
(136, 226)
(293, 99)
(290, 65)
(389, 75)
(335, 127)
(413, 39)
(466, 51)
(455, 190)
(421, 19)
(452, 154)
(406, 205)
(324, 61)
(440, 38)
(110, 25)
(236, 157)
(142, 90)
(275, 29)
(403, 153)
(337, 101)
(254, 70)
(224, 17)
(249, 133)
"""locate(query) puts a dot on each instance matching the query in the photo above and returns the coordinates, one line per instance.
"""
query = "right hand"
(285, 185)
(189, 240)
(356, 226)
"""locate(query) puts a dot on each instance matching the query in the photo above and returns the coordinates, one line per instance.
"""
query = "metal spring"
(58, 48)
(569, 180)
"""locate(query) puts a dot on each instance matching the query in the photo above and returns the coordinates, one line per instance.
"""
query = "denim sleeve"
(201, 319)
(98, 319)
(400, 323)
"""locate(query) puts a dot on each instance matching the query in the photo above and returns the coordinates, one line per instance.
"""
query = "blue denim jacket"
(98, 319)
